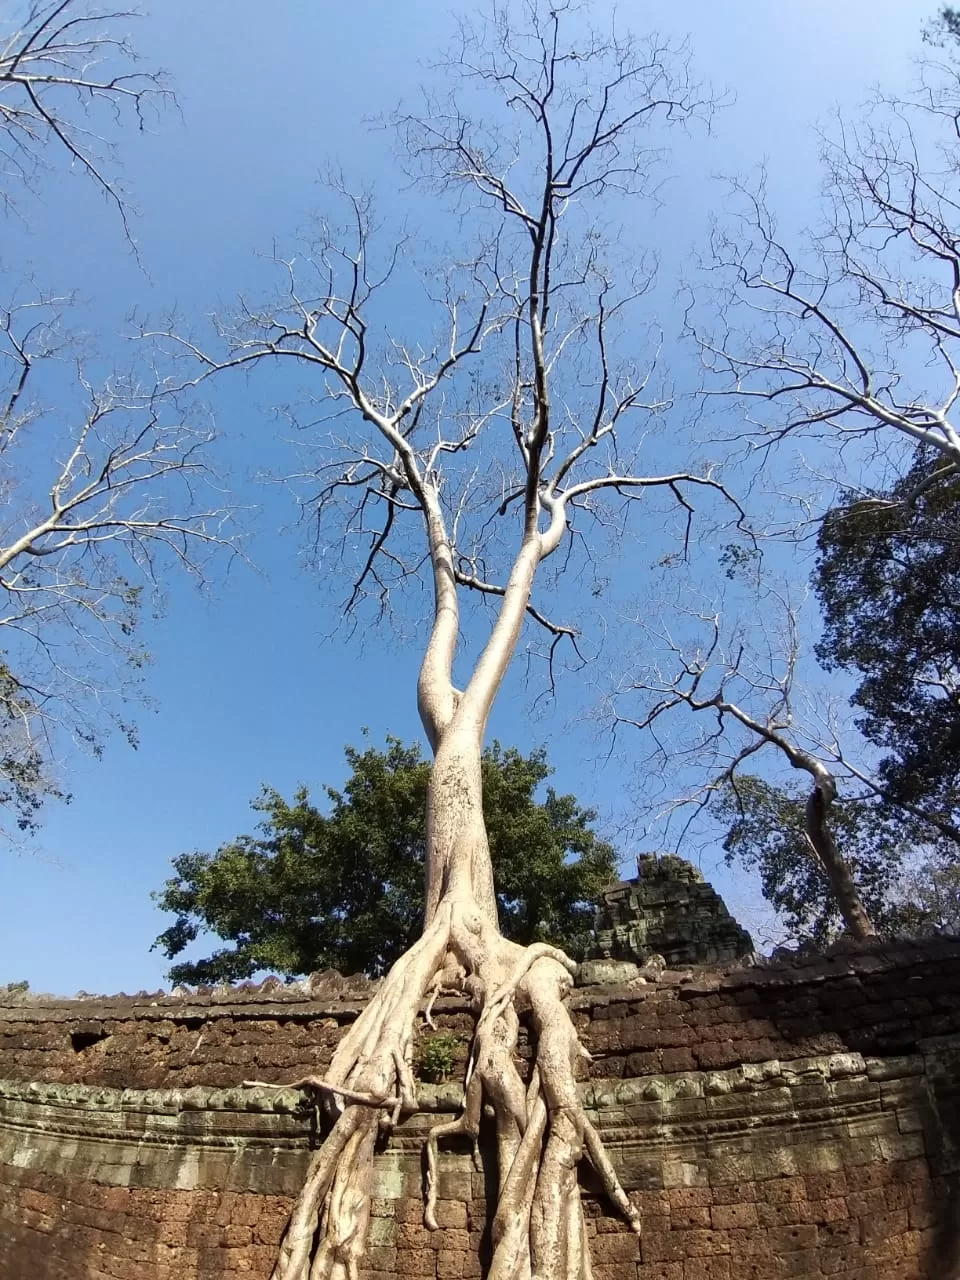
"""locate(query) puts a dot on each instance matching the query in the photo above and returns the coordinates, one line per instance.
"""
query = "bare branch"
(828, 339)
(128, 495)
(64, 83)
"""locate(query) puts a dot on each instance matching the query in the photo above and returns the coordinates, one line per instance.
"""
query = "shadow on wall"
(894, 1006)
(942, 1137)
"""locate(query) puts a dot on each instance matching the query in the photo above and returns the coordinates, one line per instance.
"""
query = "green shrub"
(437, 1056)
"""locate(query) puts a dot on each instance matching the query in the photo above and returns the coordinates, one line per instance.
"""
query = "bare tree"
(853, 337)
(104, 489)
(752, 691)
(849, 339)
(105, 481)
(478, 455)
(749, 705)
(65, 78)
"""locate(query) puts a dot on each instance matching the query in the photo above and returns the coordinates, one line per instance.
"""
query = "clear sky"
(247, 690)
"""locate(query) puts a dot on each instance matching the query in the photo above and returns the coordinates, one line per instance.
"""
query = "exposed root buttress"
(542, 1131)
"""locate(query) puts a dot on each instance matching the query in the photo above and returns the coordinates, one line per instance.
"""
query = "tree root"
(326, 1086)
(542, 1130)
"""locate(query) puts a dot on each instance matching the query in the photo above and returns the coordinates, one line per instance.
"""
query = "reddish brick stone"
(450, 1264)
(616, 1248)
(660, 1271)
(691, 1216)
(711, 1057)
(690, 1197)
(269, 1230)
(417, 1262)
(783, 1190)
(833, 1210)
(715, 1268)
(414, 1235)
(760, 1269)
(381, 1258)
(675, 1060)
(880, 1226)
(235, 1236)
(451, 1213)
(778, 1229)
(661, 1246)
(782, 1215)
(735, 1193)
(704, 1243)
(734, 1215)
(643, 1064)
(866, 1203)
(824, 1186)
(793, 1239)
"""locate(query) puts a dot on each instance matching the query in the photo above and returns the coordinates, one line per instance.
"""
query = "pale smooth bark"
(534, 292)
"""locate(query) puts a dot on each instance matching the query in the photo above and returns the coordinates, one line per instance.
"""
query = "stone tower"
(668, 910)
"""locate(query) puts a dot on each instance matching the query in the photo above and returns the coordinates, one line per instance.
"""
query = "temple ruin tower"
(667, 910)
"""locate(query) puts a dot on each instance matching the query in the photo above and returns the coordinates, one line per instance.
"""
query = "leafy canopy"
(946, 25)
(765, 833)
(344, 889)
(888, 579)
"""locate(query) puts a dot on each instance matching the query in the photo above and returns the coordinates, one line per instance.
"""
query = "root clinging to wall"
(542, 1131)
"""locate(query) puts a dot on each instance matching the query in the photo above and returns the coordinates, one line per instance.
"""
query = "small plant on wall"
(14, 991)
(437, 1057)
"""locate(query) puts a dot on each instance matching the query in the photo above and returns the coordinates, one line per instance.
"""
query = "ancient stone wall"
(669, 910)
(771, 1123)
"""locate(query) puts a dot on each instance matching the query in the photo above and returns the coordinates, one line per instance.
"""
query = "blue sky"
(247, 690)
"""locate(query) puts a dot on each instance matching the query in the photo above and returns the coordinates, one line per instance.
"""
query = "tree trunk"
(816, 814)
(458, 855)
(541, 1128)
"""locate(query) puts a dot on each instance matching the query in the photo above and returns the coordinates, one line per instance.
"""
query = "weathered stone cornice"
(648, 1123)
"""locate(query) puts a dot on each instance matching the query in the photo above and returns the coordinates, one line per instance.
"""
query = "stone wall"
(667, 910)
(771, 1123)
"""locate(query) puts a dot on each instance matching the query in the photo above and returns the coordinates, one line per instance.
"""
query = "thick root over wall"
(542, 1131)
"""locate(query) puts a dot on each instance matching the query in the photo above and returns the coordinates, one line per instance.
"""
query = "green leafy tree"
(344, 888)
(26, 777)
(946, 25)
(767, 833)
(931, 899)
(888, 580)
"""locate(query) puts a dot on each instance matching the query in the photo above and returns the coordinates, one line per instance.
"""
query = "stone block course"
(769, 1123)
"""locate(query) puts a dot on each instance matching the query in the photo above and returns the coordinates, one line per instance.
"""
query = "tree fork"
(568, 451)
(541, 1131)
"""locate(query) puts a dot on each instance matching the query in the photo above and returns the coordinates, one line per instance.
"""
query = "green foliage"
(888, 579)
(766, 834)
(24, 781)
(344, 889)
(930, 897)
(945, 26)
(738, 561)
(14, 990)
(437, 1057)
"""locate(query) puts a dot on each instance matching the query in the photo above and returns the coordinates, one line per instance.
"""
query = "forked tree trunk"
(541, 1128)
(581, 138)
(458, 854)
